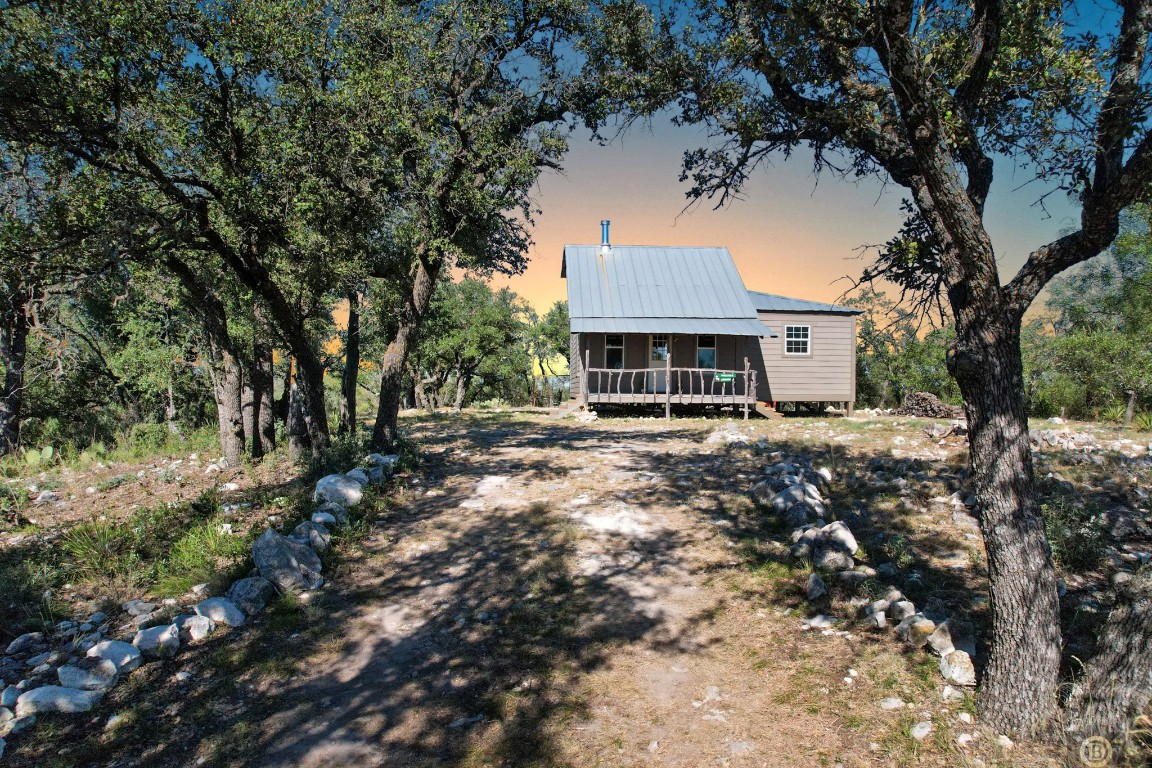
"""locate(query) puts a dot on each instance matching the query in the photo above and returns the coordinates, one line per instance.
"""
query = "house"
(675, 326)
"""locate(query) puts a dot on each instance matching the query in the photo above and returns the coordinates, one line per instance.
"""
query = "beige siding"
(828, 373)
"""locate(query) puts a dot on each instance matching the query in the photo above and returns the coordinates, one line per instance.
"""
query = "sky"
(793, 234)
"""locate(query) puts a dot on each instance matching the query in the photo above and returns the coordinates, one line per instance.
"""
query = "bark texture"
(1020, 681)
(412, 315)
(1117, 682)
(299, 449)
(227, 387)
(13, 355)
(263, 438)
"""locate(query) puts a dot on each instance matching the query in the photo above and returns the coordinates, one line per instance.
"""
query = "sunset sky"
(793, 234)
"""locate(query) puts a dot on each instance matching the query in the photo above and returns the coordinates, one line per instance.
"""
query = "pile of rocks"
(926, 405)
(1066, 440)
(86, 661)
(793, 492)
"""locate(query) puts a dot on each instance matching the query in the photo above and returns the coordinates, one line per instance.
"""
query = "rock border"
(87, 661)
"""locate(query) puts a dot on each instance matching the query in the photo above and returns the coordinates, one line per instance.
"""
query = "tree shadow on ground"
(455, 636)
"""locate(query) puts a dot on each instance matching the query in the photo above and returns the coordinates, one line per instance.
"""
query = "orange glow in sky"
(792, 234)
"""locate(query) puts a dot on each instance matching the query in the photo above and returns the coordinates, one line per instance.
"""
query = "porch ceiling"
(718, 326)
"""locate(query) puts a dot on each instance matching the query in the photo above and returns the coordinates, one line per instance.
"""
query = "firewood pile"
(926, 405)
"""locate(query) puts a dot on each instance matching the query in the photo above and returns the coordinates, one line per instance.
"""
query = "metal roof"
(657, 289)
(770, 302)
(687, 325)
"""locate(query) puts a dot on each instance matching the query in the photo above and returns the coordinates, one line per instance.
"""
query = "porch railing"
(669, 386)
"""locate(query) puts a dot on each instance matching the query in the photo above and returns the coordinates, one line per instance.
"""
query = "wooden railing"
(668, 385)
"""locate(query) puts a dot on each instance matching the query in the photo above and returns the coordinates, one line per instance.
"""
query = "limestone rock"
(24, 642)
(340, 489)
(359, 475)
(290, 566)
(9, 695)
(55, 698)
(838, 535)
(323, 518)
(99, 676)
(221, 610)
(832, 559)
(920, 730)
(339, 512)
(313, 535)
(876, 620)
(193, 628)
(892, 703)
(941, 640)
(815, 587)
(251, 594)
(387, 463)
(158, 642)
(125, 656)
(956, 667)
(915, 629)
(901, 609)
(786, 498)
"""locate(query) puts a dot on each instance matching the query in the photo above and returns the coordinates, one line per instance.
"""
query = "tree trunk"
(299, 449)
(248, 411)
(170, 408)
(309, 381)
(392, 365)
(227, 379)
(1020, 681)
(463, 380)
(1117, 682)
(264, 433)
(13, 354)
(281, 406)
(1130, 413)
(351, 367)
(227, 387)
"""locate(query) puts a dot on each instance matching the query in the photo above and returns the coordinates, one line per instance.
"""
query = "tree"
(242, 130)
(894, 357)
(495, 90)
(932, 96)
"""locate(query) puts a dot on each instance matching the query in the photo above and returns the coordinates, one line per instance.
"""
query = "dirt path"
(568, 595)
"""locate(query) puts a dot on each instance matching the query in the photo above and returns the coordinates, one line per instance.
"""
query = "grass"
(1075, 532)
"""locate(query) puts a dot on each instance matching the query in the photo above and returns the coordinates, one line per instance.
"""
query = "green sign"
(725, 377)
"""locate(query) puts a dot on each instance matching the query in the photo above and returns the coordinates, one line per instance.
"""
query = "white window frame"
(700, 347)
(652, 347)
(803, 333)
(608, 346)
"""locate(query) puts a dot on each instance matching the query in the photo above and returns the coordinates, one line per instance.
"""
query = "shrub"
(100, 550)
(1074, 531)
(1143, 421)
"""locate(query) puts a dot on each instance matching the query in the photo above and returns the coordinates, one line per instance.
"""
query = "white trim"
(806, 338)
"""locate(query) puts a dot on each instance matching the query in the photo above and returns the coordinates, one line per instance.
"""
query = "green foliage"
(206, 552)
(1143, 421)
(34, 458)
(1075, 532)
(100, 550)
(895, 356)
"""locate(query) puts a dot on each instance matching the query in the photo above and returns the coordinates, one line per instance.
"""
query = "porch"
(669, 386)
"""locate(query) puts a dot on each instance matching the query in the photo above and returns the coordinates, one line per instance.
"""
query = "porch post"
(584, 375)
(747, 383)
(668, 379)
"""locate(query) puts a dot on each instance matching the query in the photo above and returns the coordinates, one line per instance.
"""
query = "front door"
(659, 347)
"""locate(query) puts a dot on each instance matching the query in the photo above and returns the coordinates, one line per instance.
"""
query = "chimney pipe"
(605, 243)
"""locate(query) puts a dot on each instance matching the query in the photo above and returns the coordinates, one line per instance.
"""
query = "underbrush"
(164, 550)
(1075, 531)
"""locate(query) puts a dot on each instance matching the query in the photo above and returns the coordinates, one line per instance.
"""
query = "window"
(706, 352)
(796, 339)
(614, 351)
(658, 348)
